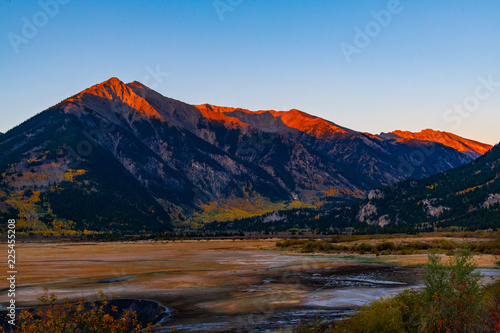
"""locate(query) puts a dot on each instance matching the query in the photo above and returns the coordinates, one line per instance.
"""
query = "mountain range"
(462, 197)
(122, 157)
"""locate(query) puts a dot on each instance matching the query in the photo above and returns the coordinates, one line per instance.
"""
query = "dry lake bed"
(214, 286)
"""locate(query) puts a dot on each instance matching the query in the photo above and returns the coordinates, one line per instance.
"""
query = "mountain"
(383, 159)
(122, 157)
(466, 196)
(447, 139)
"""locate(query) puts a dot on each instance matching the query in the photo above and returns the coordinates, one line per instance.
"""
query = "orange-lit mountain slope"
(447, 139)
(282, 121)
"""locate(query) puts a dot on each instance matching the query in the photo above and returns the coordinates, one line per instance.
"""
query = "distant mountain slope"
(466, 196)
(383, 159)
(447, 139)
(282, 122)
(122, 157)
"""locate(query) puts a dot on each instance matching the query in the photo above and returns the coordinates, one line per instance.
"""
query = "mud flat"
(212, 286)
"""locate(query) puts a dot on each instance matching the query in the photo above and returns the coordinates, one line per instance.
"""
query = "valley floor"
(220, 284)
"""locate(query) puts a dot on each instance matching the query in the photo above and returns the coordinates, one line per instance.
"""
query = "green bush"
(363, 247)
(453, 294)
(289, 243)
(384, 315)
(312, 245)
(386, 246)
(446, 244)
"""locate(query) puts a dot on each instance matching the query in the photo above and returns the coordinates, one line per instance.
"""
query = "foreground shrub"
(384, 315)
(493, 308)
(92, 316)
(453, 294)
(402, 313)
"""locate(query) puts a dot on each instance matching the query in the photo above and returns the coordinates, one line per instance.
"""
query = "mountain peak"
(113, 81)
(110, 89)
(116, 92)
(137, 84)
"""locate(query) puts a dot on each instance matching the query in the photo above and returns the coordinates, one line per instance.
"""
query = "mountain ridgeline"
(123, 158)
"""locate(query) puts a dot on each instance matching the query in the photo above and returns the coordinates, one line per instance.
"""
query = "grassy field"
(402, 249)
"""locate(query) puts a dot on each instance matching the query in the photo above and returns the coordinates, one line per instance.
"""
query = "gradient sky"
(262, 54)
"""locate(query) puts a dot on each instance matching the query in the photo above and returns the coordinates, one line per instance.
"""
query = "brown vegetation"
(394, 246)
(89, 316)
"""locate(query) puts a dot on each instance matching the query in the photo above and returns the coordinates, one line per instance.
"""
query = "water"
(329, 295)
(340, 295)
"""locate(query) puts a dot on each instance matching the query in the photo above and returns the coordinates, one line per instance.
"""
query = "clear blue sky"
(264, 54)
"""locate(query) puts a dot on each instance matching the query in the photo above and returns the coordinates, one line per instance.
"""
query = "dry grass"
(212, 275)
(155, 270)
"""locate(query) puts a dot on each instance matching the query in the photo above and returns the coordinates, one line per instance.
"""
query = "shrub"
(386, 246)
(492, 322)
(418, 245)
(446, 244)
(96, 317)
(383, 315)
(453, 294)
(289, 243)
(316, 246)
(412, 305)
(363, 247)
(309, 246)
